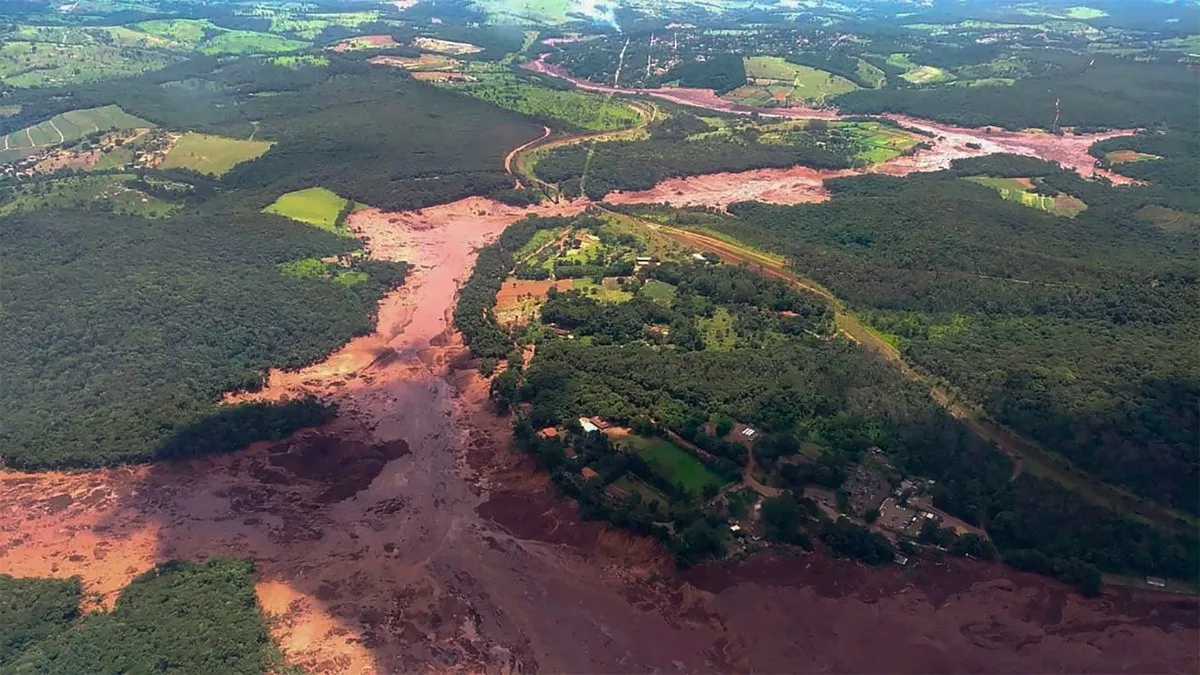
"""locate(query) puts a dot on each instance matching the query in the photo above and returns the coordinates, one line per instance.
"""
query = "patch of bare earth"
(406, 536)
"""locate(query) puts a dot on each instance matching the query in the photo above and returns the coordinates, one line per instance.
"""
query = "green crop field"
(315, 206)
(107, 192)
(674, 463)
(214, 155)
(68, 126)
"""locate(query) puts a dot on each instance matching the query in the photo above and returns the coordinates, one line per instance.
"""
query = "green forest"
(1071, 331)
(657, 370)
(686, 146)
(177, 618)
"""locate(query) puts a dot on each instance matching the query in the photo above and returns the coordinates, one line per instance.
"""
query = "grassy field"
(537, 241)
(774, 78)
(1169, 220)
(718, 332)
(917, 73)
(879, 142)
(608, 291)
(301, 61)
(673, 463)
(310, 26)
(39, 64)
(1126, 156)
(315, 206)
(108, 192)
(658, 291)
(68, 126)
(872, 74)
(1021, 190)
(213, 155)
(207, 38)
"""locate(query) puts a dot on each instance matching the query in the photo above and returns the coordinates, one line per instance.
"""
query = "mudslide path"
(406, 536)
(802, 184)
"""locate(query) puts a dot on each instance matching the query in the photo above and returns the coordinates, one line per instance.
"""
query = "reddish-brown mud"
(406, 536)
(800, 184)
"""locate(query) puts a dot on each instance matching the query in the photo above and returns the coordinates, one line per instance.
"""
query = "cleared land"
(770, 78)
(213, 155)
(69, 126)
(315, 206)
(208, 38)
(108, 192)
(917, 73)
(445, 46)
(39, 64)
(1125, 156)
(1021, 190)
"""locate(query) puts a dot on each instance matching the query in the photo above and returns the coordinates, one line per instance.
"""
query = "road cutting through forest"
(407, 536)
(1026, 455)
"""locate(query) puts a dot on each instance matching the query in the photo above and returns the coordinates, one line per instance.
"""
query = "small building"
(588, 473)
(587, 425)
(699, 257)
(615, 491)
(1156, 582)
(548, 432)
(750, 433)
(644, 260)
(570, 452)
(900, 559)
(735, 528)
(600, 423)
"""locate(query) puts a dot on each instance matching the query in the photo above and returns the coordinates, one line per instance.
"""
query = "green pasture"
(64, 127)
(673, 463)
(658, 291)
(315, 206)
(297, 61)
(36, 63)
(106, 192)
(915, 72)
(1015, 190)
(802, 83)
(607, 291)
(213, 155)
(717, 331)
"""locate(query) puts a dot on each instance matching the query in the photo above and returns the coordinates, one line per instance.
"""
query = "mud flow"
(406, 536)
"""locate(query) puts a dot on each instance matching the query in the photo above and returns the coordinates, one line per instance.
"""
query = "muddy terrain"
(800, 185)
(405, 536)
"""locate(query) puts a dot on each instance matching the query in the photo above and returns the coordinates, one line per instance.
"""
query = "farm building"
(744, 433)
